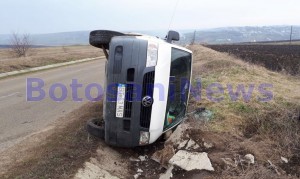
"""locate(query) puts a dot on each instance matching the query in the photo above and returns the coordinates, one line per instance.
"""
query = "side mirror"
(173, 36)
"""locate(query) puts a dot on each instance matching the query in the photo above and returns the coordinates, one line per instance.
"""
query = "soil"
(274, 57)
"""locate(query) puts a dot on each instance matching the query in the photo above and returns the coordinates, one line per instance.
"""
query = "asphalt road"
(20, 118)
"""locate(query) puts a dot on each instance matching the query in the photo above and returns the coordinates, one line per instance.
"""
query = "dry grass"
(267, 130)
(45, 56)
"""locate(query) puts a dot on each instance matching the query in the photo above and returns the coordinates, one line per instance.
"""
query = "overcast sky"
(46, 16)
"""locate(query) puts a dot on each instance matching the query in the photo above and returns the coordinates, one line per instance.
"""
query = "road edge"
(35, 69)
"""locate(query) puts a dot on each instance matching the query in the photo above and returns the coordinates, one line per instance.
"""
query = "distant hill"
(242, 34)
(210, 36)
(5, 46)
(54, 39)
(32, 46)
(67, 38)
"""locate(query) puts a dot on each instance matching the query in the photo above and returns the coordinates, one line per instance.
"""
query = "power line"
(172, 18)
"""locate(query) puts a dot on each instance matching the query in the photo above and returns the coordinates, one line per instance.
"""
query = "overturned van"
(147, 87)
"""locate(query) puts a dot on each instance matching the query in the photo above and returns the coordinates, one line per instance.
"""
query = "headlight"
(152, 54)
(144, 138)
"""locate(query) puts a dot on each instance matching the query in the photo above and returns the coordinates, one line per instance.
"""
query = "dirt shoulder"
(45, 56)
(56, 152)
(65, 150)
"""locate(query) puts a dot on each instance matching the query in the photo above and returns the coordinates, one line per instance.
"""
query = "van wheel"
(101, 38)
(95, 127)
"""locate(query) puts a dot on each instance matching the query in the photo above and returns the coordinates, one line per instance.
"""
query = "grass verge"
(268, 130)
(45, 56)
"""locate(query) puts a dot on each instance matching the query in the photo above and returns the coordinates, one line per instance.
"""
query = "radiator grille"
(148, 87)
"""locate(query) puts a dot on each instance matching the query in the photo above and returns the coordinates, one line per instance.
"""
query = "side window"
(180, 74)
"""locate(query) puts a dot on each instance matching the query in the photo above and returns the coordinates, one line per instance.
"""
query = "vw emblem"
(147, 101)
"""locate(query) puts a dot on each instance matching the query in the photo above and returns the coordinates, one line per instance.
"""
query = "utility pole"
(194, 38)
(291, 35)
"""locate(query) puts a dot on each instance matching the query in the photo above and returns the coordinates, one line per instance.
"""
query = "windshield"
(180, 74)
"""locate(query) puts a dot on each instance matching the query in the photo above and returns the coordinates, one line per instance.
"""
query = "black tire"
(95, 127)
(101, 38)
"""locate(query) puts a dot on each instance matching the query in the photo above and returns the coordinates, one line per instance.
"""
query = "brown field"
(45, 56)
(280, 58)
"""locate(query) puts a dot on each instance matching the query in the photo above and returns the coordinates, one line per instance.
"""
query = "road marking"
(10, 95)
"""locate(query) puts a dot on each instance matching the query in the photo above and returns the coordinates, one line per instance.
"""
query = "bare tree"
(20, 44)
(64, 48)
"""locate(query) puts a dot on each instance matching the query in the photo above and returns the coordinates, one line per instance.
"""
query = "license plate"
(120, 101)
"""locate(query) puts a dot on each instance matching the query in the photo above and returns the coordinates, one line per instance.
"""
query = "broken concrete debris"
(178, 135)
(182, 144)
(143, 158)
(168, 174)
(191, 161)
(192, 145)
(136, 176)
(132, 159)
(163, 156)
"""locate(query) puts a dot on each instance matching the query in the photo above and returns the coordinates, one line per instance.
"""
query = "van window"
(180, 74)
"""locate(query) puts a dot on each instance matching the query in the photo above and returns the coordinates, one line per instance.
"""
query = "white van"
(147, 87)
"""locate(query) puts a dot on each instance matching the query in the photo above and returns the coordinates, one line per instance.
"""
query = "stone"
(142, 158)
(132, 159)
(191, 161)
(136, 176)
(182, 144)
(208, 145)
(250, 158)
(285, 160)
(163, 156)
(192, 145)
(168, 174)
(178, 135)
